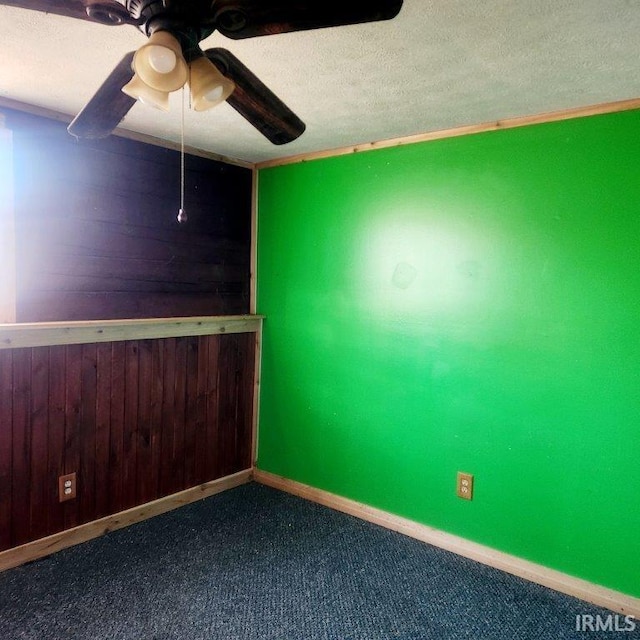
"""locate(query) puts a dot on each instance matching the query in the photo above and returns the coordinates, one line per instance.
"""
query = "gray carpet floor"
(254, 563)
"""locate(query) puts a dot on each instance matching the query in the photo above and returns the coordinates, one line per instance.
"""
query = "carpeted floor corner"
(254, 563)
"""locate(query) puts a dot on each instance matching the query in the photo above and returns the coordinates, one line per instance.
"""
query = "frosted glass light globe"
(215, 94)
(161, 59)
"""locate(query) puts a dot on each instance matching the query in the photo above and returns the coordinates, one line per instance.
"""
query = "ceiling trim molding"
(43, 112)
(507, 123)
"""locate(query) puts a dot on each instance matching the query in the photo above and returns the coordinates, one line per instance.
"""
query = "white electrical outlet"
(67, 487)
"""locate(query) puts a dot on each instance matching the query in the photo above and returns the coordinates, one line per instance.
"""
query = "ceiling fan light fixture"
(161, 59)
(208, 86)
(160, 63)
(140, 90)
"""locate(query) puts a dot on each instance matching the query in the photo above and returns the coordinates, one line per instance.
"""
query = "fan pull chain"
(182, 214)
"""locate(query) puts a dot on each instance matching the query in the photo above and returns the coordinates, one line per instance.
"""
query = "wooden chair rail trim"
(41, 334)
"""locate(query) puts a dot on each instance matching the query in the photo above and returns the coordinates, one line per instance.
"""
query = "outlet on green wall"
(469, 304)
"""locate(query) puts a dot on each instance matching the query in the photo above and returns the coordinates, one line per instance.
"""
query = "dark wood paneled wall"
(136, 420)
(97, 236)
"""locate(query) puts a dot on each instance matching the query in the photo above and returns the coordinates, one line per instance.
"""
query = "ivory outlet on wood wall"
(67, 487)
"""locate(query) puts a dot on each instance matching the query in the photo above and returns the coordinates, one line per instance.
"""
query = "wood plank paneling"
(56, 434)
(245, 415)
(226, 403)
(116, 432)
(201, 429)
(96, 235)
(72, 426)
(102, 428)
(168, 414)
(130, 431)
(179, 424)
(38, 498)
(87, 433)
(144, 487)
(212, 375)
(191, 412)
(136, 420)
(6, 449)
(157, 365)
(21, 446)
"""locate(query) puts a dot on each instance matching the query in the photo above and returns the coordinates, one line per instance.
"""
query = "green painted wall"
(465, 304)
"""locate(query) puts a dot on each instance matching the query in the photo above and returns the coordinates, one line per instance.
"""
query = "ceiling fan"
(172, 56)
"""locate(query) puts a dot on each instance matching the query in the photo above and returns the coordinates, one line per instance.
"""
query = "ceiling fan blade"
(255, 101)
(245, 19)
(101, 115)
(109, 12)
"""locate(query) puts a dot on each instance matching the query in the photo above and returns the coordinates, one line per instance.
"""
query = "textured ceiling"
(439, 64)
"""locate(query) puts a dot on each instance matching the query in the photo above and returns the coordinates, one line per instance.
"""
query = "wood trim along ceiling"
(507, 123)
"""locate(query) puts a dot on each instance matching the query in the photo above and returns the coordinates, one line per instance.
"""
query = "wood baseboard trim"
(58, 541)
(570, 585)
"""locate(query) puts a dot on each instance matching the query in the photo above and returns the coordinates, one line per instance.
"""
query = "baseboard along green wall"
(467, 304)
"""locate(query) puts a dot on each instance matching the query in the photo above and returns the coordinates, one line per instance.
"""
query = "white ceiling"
(439, 64)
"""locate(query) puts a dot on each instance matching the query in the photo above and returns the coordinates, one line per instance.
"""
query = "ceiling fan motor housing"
(108, 13)
(190, 22)
(204, 14)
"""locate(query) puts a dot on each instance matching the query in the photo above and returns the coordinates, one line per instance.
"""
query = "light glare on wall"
(7, 229)
(416, 267)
